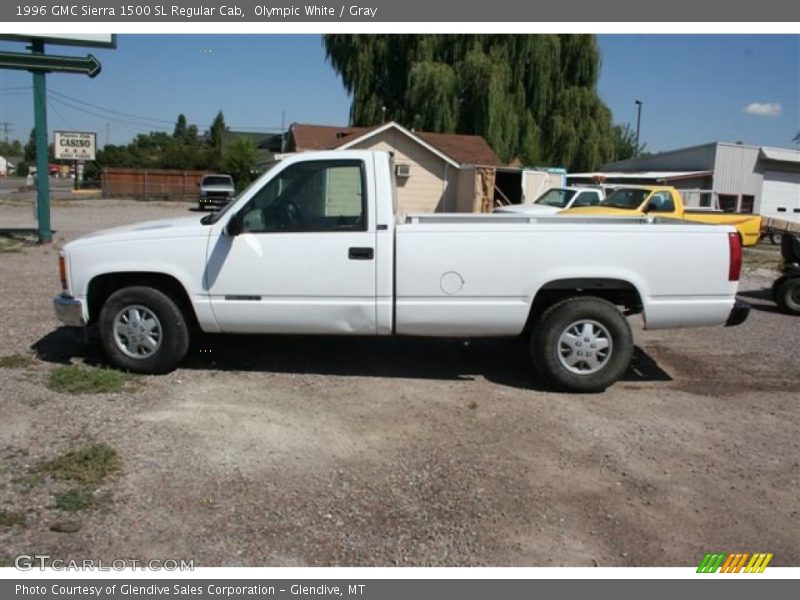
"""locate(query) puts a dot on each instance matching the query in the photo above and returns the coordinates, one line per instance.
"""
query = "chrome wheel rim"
(137, 331)
(584, 347)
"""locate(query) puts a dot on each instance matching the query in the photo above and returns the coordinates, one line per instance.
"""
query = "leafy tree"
(216, 133)
(239, 161)
(22, 169)
(13, 148)
(625, 143)
(180, 127)
(532, 97)
(29, 152)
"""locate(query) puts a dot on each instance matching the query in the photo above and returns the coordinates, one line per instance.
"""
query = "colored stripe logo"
(738, 562)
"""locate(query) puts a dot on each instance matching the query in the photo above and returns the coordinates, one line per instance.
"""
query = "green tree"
(625, 143)
(239, 161)
(216, 133)
(22, 169)
(532, 97)
(180, 127)
(13, 148)
(29, 152)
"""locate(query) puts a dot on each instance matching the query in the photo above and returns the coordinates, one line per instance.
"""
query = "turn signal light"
(62, 271)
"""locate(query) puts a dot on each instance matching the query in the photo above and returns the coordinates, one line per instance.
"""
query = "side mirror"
(235, 225)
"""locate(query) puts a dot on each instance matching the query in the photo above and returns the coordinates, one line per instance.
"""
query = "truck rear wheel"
(581, 344)
(788, 295)
(143, 330)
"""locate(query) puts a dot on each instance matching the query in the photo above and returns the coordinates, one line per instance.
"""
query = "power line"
(125, 123)
(59, 115)
(111, 110)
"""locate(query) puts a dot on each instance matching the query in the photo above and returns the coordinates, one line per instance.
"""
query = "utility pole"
(108, 133)
(6, 128)
(638, 122)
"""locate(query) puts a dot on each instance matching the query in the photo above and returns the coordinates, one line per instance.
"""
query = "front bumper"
(69, 310)
(739, 313)
(214, 200)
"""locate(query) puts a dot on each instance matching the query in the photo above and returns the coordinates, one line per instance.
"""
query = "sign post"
(42, 150)
(40, 64)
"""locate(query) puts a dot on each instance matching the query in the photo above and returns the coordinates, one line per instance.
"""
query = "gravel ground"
(316, 451)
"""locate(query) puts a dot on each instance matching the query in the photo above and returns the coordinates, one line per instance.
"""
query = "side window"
(662, 202)
(589, 198)
(310, 196)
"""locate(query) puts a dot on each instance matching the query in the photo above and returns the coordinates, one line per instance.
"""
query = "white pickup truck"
(556, 199)
(314, 247)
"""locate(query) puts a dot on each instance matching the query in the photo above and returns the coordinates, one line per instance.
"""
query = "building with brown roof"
(436, 172)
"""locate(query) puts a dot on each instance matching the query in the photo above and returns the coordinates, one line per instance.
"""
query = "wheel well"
(616, 291)
(102, 286)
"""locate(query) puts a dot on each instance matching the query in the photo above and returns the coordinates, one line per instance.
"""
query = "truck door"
(304, 257)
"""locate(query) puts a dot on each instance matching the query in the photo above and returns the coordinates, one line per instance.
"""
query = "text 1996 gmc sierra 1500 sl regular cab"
(314, 247)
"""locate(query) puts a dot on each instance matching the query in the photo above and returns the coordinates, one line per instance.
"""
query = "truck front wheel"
(581, 344)
(143, 330)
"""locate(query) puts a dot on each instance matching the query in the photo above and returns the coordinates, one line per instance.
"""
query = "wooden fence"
(151, 184)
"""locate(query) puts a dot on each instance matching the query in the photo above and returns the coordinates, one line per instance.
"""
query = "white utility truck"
(314, 247)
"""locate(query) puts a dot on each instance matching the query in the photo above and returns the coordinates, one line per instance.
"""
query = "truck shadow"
(761, 300)
(502, 361)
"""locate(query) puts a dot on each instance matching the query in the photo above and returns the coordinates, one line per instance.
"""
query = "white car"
(557, 199)
(313, 247)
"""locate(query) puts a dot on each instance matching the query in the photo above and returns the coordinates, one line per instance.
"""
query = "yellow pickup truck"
(664, 201)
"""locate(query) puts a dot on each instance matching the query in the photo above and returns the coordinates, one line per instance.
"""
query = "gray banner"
(472, 11)
(705, 586)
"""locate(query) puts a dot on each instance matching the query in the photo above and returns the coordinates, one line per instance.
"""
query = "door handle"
(361, 253)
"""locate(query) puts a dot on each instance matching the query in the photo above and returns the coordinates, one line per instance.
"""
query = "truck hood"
(602, 210)
(147, 230)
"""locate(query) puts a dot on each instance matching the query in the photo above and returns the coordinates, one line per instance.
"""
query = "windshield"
(555, 197)
(218, 180)
(629, 198)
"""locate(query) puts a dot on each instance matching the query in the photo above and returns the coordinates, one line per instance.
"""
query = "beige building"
(435, 172)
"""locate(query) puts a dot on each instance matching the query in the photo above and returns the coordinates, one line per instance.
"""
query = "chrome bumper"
(69, 310)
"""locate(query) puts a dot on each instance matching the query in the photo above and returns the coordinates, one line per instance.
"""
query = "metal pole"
(42, 151)
(638, 122)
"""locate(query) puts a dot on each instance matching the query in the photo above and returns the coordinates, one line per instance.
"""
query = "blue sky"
(694, 88)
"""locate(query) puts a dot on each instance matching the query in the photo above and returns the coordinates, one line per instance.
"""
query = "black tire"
(788, 295)
(775, 238)
(549, 357)
(172, 341)
(776, 285)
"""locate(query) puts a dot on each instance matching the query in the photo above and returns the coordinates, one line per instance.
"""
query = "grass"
(16, 361)
(10, 519)
(10, 243)
(76, 499)
(73, 379)
(89, 464)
